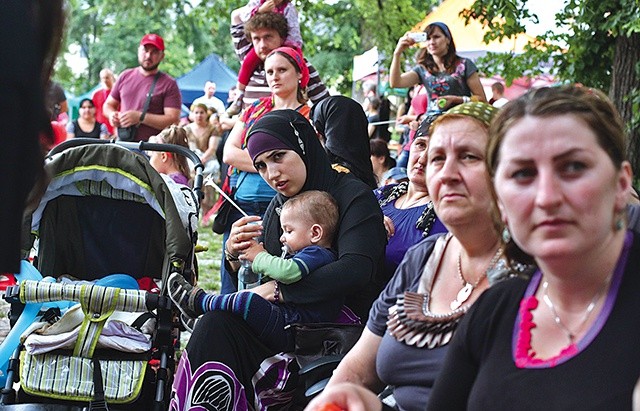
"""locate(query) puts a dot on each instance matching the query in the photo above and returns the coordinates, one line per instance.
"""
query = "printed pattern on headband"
(476, 109)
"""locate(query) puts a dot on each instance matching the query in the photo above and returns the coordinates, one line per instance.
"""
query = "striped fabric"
(42, 291)
(104, 189)
(71, 378)
(98, 303)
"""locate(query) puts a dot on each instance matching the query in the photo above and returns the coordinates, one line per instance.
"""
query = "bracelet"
(276, 292)
(466, 99)
(230, 257)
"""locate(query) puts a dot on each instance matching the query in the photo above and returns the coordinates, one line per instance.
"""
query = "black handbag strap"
(149, 95)
(244, 176)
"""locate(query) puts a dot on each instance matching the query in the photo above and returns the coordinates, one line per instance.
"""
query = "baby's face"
(296, 231)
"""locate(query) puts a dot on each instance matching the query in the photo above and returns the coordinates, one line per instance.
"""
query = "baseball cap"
(154, 40)
(395, 173)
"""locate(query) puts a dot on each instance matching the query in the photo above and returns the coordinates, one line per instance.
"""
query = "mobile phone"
(418, 37)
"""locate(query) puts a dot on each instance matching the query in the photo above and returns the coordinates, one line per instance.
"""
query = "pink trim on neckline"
(523, 354)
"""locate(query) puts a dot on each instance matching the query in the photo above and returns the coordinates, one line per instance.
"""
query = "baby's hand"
(267, 6)
(252, 251)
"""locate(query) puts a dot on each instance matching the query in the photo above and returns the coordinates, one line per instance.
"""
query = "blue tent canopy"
(213, 69)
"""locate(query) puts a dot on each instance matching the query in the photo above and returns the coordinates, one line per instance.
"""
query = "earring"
(618, 222)
(506, 235)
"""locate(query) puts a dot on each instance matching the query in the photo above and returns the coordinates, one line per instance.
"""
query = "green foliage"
(588, 47)
(108, 31)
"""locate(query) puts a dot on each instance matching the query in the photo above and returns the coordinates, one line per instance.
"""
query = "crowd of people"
(491, 262)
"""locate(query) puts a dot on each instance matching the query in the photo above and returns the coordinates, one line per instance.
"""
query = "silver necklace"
(556, 318)
(467, 287)
(406, 198)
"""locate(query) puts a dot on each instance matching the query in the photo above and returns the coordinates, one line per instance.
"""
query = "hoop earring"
(506, 235)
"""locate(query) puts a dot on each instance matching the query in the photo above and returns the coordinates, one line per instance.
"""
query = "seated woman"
(409, 215)
(225, 364)
(342, 126)
(86, 125)
(203, 136)
(564, 338)
(381, 159)
(288, 76)
(412, 321)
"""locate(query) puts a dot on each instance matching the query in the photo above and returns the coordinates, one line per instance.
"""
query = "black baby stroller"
(105, 212)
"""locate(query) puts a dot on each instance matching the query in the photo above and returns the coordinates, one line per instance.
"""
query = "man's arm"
(316, 90)
(161, 121)
(110, 110)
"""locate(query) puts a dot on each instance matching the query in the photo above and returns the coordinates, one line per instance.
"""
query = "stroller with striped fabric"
(107, 233)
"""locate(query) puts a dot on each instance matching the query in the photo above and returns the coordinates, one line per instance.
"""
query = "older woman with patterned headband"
(412, 322)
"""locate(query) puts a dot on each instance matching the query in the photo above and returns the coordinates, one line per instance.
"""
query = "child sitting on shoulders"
(251, 61)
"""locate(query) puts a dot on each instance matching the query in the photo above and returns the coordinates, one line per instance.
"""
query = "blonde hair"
(178, 136)
(319, 207)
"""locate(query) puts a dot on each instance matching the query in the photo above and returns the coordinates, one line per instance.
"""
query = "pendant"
(463, 295)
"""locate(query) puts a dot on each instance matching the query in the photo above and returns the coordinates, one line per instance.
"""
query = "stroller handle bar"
(141, 146)
(96, 297)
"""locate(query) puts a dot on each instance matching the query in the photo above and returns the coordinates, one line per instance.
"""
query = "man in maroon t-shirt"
(125, 104)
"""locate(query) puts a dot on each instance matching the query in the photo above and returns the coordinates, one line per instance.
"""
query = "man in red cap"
(125, 106)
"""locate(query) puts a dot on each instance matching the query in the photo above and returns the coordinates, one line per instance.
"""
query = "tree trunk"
(624, 80)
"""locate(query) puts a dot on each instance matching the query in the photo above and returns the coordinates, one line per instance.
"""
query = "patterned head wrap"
(480, 111)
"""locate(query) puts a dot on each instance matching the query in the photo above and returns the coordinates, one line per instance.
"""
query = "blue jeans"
(227, 285)
(403, 159)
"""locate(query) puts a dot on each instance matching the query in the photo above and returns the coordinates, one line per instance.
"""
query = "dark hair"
(590, 105)
(426, 59)
(268, 20)
(84, 100)
(379, 148)
(374, 102)
(319, 207)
